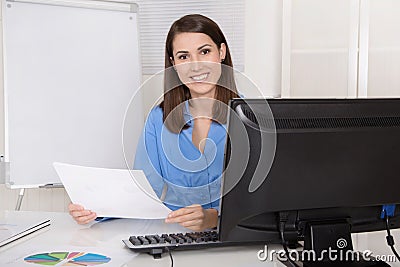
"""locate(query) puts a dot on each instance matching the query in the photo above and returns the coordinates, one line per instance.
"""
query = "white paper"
(111, 192)
(12, 229)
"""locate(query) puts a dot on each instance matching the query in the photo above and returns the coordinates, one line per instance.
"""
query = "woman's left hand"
(194, 217)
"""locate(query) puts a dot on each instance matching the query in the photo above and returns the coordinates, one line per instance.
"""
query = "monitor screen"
(330, 161)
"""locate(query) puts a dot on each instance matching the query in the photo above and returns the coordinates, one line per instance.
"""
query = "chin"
(202, 90)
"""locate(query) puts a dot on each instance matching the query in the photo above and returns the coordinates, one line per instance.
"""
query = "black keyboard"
(158, 244)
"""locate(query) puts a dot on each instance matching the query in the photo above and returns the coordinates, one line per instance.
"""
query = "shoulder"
(155, 115)
(154, 122)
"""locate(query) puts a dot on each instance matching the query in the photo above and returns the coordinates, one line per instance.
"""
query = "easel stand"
(20, 197)
(22, 193)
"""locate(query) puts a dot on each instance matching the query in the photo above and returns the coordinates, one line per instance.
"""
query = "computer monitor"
(327, 165)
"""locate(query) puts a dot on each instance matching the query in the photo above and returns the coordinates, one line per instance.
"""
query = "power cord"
(170, 255)
(283, 218)
(389, 237)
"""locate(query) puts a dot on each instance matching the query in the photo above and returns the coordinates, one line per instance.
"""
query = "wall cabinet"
(341, 48)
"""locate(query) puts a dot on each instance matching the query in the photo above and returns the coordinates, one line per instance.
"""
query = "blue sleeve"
(146, 157)
(215, 205)
(103, 219)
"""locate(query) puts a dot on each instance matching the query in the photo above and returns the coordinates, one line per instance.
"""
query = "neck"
(201, 107)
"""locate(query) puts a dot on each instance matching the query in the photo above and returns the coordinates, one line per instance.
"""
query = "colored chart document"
(67, 259)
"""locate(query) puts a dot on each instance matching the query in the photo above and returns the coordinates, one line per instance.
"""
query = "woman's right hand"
(80, 215)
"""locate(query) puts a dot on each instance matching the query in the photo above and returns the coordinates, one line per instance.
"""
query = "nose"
(195, 64)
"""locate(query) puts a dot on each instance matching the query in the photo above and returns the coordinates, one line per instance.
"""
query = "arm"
(143, 160)
(149, 159)
(146, 157)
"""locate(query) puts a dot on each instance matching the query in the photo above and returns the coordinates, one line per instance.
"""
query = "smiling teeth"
(199, 77)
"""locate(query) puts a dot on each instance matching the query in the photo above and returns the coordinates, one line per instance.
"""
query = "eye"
(205, 51)
(183, 57)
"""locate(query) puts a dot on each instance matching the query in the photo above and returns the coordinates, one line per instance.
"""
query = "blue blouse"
(178, 172)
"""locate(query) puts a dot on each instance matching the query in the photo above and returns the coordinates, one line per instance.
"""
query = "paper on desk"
(12, 229)
(111, 192)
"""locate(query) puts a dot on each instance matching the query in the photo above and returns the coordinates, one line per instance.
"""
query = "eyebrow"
(201, 47)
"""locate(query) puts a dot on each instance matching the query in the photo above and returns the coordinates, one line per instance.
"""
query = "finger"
(180, 218)
(80, 213)
(86, 219)
(185, 210)
(72, 207)
(198, 215)
(91, 218)
(179, 212)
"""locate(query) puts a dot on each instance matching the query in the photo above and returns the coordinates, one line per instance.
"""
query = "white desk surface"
(106, 238)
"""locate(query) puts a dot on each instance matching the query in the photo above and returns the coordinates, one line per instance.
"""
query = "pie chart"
(67, 259)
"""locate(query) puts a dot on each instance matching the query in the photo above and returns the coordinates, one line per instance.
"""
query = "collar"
(186, 114)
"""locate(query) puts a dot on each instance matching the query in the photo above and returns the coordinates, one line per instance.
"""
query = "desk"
(106, 238)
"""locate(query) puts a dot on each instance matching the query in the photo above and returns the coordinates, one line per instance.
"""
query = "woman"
(182, 147)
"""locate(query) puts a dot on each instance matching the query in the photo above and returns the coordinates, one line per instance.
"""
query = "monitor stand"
(331, 242)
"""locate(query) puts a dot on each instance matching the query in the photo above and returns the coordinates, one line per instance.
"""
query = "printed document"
(111, 192)
(12, 229)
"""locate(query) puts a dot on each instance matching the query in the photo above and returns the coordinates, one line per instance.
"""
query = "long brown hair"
(176, 93)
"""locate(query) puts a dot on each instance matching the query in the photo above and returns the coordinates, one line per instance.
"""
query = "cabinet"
(380, 48)
(341, 48)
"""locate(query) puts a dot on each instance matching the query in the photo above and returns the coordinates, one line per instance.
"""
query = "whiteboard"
(71, 68)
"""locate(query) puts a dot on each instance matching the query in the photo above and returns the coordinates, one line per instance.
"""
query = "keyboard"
(158, 244)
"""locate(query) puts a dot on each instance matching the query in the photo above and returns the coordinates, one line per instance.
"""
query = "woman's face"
(197, 61)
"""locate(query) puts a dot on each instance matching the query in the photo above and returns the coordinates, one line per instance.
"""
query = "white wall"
(263, 43)
(1, 87)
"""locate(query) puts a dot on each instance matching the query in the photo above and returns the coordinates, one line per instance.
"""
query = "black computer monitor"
(326, 165)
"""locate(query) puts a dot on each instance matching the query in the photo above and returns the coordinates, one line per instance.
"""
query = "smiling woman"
(181, 149)
(198, 66)
(197, 42)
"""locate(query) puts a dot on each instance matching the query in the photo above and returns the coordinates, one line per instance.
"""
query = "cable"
(283, 217)
(170, 255)
(389, 237)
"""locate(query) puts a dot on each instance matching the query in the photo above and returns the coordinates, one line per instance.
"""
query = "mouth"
(200, 77)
